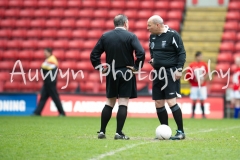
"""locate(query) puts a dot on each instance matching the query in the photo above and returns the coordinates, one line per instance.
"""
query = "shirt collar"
(165, 29)
(120, 28)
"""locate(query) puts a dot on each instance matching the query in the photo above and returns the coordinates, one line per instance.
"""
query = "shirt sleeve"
(139, 51)
(179, 47)
(150, 43)
(96, 53)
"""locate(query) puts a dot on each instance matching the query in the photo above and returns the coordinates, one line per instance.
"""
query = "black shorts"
(119, 87)
(171, 90)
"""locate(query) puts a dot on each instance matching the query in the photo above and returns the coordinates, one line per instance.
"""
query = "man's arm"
(179, 47)
(139, 52)
(96, 53)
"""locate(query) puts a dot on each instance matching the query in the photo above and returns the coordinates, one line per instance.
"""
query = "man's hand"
(151, 62)
(133, 69)
(104, 70)
(178, 75)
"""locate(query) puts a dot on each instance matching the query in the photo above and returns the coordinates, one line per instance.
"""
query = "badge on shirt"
(152, 45)
(163, 44)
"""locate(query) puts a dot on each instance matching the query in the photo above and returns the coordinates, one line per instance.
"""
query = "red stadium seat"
(79, 34)
(73, 13)
(176, 5)
(229, 36)
(75, 44)
(89, 44)
(84, 66)
(63, 44)
(30, 4)
(45, 44)
(233, 6)
(231, 26)
(5, 76)
(14, 44)
(26, 13)
(100, 13)
(59, 3)
(233, 15)
(83, 23)
(112, 13)
(14, 86)
(66, 33)
(217, 88)
(118, 4)
(237, 47)
(174, 15)
(38, 23)
(97, 23)
(74, 3)
(162, 14)
(39, 54)
(68, 23)
(142, 34)
(132, 4)
(109, 24)
(29, 44)
(95, 33)
(7, 65)
(85, 55)
(225, 57)
(144, 14)
(72, 87)
(21, 33)
(5, 33)
(11, 13)
(35, 65)
(147, 4)
(53, 23)
(41, 13)
(15, 3)
(26, 54)
(131, 13)
(72, 54)
(45, 3)
(3, 44)
(56, 13)
(68, 65)
(23, 23)
(219, 80)
(34, 33)
(4, 4)
(9, 54)
(8, 23)
(86, 13)
(50, 33)
(103, 4)
(227, 46)
(162, 5)
(59, 53)
(89, 4)
(222, 66)
(141, 24)
(174, 25)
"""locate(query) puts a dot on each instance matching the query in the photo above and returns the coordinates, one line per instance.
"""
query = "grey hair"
(119, 20)
(156, 19)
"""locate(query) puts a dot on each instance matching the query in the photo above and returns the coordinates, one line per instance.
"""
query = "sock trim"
(159, 110)
(174, 108)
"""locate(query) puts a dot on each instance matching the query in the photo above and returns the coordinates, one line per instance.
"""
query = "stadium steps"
(202, 31)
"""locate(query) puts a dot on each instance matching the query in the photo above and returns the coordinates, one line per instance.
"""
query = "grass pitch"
(76, 138)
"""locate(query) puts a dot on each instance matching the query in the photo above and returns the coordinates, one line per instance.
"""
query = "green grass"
(76, 138)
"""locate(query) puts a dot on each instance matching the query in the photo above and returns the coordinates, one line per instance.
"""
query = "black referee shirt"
(118, 45)
(167, 49)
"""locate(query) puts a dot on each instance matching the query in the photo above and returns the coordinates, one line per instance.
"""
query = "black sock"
(177, 114)
(105, 117)
(162, 115)
(193, 109)
(121, 117)
(202, 107)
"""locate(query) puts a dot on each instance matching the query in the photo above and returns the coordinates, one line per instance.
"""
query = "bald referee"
(168, 53)
(119, 45)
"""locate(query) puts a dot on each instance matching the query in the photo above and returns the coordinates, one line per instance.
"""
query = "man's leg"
(106, 116)
(193, 108)
(121, 117)
(42, 101)
(55, 97)
(177, 114)
(161, 111)
(202, 107)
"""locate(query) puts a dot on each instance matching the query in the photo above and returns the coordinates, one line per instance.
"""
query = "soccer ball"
(163, 132)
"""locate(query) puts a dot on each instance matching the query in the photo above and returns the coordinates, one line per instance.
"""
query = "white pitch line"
(101, 156)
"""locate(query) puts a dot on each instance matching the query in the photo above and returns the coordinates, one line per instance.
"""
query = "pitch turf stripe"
(118, 150)
(101, 156)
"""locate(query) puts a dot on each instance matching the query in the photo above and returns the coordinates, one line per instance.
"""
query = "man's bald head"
(156, 19)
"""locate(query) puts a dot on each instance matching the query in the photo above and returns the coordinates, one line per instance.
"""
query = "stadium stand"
(72, 28)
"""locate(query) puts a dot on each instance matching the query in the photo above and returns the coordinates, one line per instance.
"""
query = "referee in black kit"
(118, 45)
(167, 54)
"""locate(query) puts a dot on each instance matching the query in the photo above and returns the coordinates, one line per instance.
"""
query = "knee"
(171, 102)
(159, 103)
